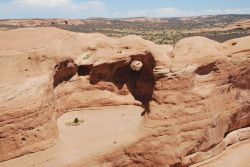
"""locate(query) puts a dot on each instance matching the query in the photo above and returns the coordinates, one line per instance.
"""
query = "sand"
(104, 130)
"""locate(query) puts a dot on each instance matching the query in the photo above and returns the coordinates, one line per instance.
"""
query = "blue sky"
(119, 8)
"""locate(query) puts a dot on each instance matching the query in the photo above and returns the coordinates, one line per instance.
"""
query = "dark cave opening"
(84, 70)
(139, 83)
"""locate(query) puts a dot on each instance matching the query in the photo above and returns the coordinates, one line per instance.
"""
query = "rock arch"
(136, 74)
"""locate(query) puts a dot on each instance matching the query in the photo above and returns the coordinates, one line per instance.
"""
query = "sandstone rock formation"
(64, 71)
(192, 108)
(27, 117)
(197, 93)
(136, 65)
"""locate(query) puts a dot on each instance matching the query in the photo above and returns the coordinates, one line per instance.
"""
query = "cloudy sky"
(119, 8)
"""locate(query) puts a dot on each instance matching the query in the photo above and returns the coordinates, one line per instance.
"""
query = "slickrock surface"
(194, 99)
(97, 135)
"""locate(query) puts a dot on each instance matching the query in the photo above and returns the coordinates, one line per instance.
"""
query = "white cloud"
(228, 11)
(59, 3)
(42, 3)
(174, 12)
(160, 12)
(51, 9)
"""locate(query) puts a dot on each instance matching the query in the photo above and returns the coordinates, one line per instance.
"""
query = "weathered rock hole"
(207, 69)
(84, 70)
(64, 71)
(234, 43)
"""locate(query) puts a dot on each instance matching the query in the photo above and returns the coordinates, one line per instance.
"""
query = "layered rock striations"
(27, 117)
(195, 96)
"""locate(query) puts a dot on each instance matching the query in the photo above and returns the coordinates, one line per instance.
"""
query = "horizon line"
(41, 18)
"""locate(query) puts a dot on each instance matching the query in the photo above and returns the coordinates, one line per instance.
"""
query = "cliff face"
(195, 96)
(27, 117)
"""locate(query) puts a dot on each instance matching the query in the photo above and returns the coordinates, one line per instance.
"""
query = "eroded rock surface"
(198, 93)
(192, 108)
(27, 117)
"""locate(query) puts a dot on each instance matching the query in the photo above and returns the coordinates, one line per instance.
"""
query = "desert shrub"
(75, 122)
